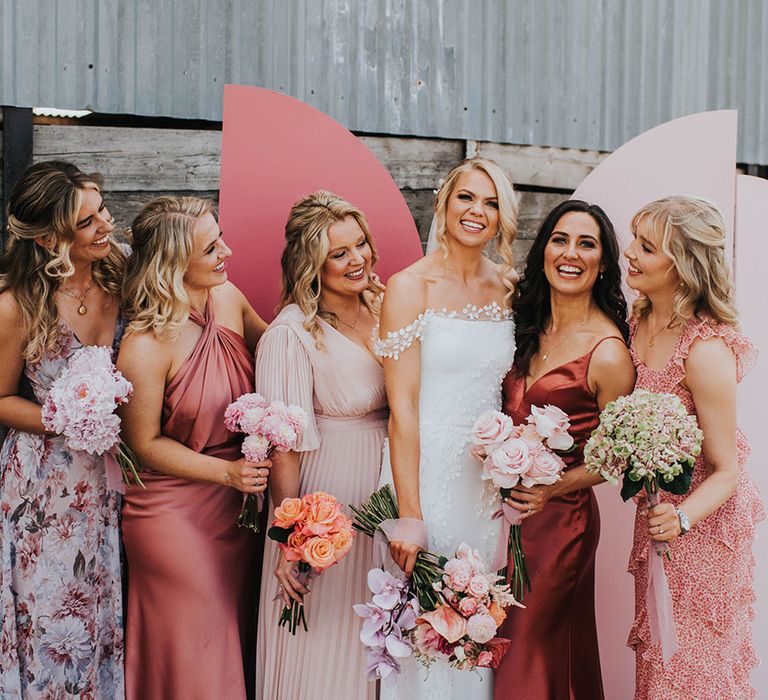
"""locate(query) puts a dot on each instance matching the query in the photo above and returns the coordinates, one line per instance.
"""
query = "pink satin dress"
(191, 576)
(554, 653)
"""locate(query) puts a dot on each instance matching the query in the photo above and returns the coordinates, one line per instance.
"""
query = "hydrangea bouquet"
(81, 406)
(523, 454)
(649, 441)
(450, 610)
(268, 427)
(313, 532)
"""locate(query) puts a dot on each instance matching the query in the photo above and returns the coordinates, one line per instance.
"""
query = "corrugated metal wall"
(572, 73)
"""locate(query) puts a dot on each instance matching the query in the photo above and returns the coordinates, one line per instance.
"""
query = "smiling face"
(347, 267)
(573, 254)
(92, 229)
(472, 209)
(208, 263)
(651, 271)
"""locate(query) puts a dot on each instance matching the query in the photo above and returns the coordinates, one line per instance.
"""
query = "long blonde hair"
(692, 234)
(155, 298)
(42, 222)
(306, 249)
(508, 211)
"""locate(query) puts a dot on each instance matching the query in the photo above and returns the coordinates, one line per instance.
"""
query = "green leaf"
(629, 487)
(279, 534)
(681, 483)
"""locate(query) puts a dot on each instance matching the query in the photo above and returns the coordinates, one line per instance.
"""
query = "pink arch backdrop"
(276, 149)
(694, 155)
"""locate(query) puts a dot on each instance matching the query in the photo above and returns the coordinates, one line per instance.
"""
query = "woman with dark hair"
(571, 333)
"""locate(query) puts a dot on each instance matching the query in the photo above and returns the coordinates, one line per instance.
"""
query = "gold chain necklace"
(82, 309)
(555, 347)
(652, 339)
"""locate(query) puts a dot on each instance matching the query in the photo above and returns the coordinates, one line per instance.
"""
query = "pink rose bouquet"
(523, 454)
(649, 441)
(268, 427)
(81, 406)
(459, 629)
(313, 532)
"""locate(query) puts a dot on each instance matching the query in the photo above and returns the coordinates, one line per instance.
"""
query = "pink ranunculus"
(508, 463)
(492, 428)
(467, 606)
(545, 468)
(481, 628)
(478, 586)
(552, 424)
(458, 572)
(446, 621)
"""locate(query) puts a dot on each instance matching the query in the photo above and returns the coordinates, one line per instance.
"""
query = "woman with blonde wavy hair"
(188, 350)
(60, 585)
(447, 339)
(318, 353)
(685, 340)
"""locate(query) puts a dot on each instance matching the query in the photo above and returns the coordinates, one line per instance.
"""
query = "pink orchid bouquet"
(313, 532)
(268, 427)
(523, 454)
(81, 406)
(650, 441)
(461, 629)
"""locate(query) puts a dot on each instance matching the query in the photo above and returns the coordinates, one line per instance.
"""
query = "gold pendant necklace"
(652, 339)
(82, 309)
(549, 352)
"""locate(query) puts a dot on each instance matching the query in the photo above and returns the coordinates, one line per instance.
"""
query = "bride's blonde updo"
(692, 234)
(508, 211)
(42, 221)
(306, 249)
(154, 296)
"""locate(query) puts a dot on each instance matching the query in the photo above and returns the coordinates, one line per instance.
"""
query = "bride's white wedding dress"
(464, 358)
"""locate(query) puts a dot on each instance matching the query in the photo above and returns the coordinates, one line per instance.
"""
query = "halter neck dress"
(191, 582)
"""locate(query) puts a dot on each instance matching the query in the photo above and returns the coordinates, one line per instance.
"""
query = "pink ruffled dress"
(711, 572)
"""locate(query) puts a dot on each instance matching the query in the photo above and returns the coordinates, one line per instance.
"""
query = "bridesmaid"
(571, 329)
(60, 591)
(318, 354)
(686, 341)
(187, 351)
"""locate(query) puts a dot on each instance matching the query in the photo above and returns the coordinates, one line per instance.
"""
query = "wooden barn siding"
(140, 163)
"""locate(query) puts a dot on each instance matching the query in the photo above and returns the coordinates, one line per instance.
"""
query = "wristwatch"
(685, 524)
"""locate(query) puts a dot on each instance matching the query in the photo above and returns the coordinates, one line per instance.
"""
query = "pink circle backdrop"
(276, 150)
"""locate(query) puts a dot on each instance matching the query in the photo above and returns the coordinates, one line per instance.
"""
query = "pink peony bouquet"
(81, 406)
(268, 427)
(649, 441)
(313, 532)
(523, 454)
(460, 629)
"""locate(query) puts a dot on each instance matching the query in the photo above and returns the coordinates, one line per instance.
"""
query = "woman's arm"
(145, 362)
(610, 375)
(15, 412)
(710, 376)
(403, 302)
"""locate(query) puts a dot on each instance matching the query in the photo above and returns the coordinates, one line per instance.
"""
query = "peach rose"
(497, 613)
(322, 511)
(319, 552)
(342, 541)
(288, 513)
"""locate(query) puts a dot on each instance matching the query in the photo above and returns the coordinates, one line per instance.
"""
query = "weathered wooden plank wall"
(140, 163)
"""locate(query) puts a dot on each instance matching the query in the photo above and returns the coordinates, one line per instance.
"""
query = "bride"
(447, 339)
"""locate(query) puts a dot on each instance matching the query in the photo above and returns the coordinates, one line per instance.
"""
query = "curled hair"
(532, 303)
(154, 296)
(42, 222)
(305, 252)
(508, 211)
(692, 234)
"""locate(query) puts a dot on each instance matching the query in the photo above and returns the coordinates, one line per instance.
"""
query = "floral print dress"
(61, 631)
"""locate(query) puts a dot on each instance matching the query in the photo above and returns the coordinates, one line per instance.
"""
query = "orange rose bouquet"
(313, 532)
